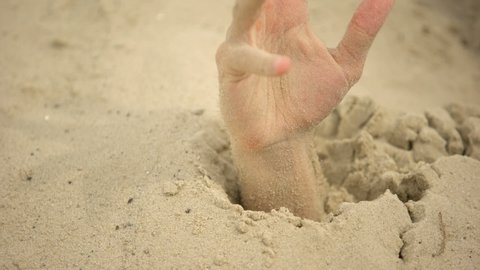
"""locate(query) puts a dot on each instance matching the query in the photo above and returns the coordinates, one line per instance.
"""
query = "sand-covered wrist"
(245, 147)
(280, 175)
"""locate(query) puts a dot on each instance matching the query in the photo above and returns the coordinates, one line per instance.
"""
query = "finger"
(364, 26)
(245, 13)
(249, 60)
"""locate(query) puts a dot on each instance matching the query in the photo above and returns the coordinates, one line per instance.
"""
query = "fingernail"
(282, 65)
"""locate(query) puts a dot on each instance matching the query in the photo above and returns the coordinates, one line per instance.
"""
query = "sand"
(113, 154)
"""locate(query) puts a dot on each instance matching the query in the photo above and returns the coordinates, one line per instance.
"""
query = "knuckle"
(221, 52)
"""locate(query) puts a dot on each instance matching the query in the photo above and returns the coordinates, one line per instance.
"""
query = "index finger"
(245, 13)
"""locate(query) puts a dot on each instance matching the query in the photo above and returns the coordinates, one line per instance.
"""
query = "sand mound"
(391, 177)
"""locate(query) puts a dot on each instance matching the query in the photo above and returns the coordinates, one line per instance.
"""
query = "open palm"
(277, 79)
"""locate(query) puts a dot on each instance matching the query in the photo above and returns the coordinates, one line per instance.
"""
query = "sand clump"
(365, 149)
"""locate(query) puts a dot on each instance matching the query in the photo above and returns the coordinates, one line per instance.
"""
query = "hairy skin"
(277, 81)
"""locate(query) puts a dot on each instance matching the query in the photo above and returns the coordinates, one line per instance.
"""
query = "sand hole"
(216, 159)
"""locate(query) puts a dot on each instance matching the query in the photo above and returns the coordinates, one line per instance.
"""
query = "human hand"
(277, 79)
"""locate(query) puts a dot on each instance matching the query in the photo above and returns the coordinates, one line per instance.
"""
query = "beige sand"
(113, 155)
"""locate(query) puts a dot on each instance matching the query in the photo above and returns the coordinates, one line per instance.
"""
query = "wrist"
(280, 174)
(254, 146)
